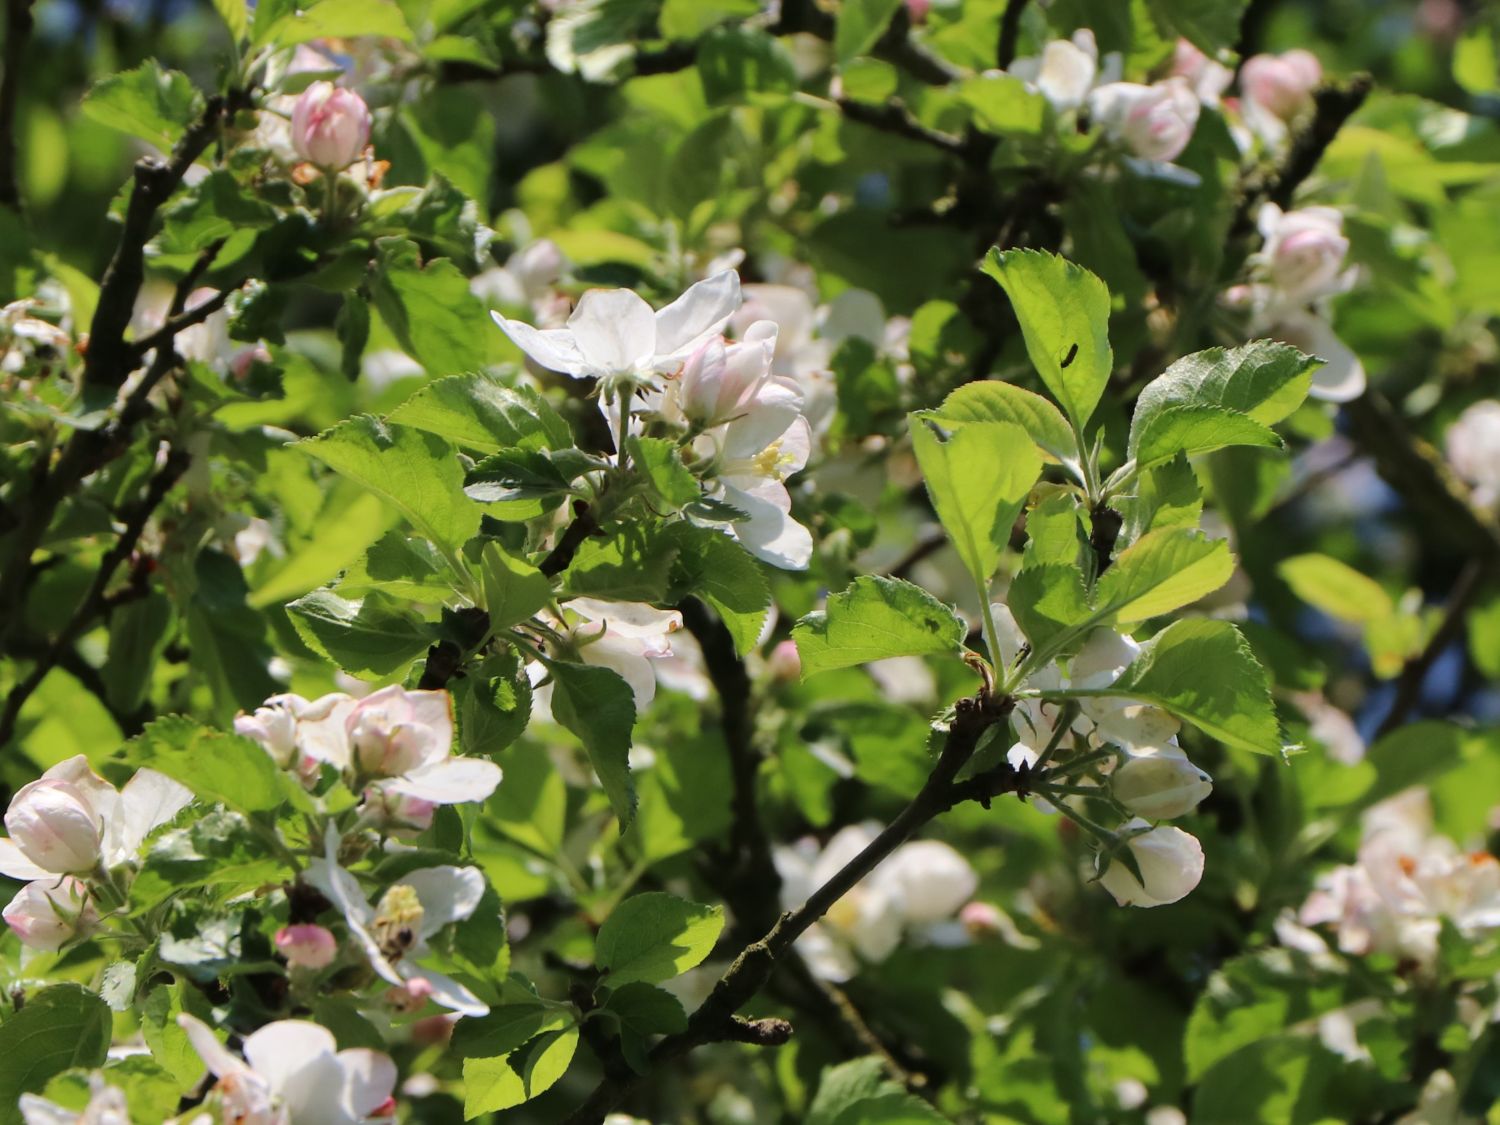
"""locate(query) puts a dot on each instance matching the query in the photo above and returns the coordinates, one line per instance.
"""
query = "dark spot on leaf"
(1070, 357)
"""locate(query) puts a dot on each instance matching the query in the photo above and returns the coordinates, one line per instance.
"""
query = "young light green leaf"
(1204, 672)
(654, 937)
(1166, 496)
(1219, 397)
(1161, 572)
(220, 768)
(429, 308)
(993, 401)
(1210, 25)
(476, 412)
(599, 707)
(375, 634)
(147, 102)
(632, 564)
(662, 465)
(712, 566)
(513, 589)
(873, 619)
(1336, 588)
(236, 17)
(491, 1085)
(62, 1026)
(978, 477)
(335, 19)
(1064, 315)
(1049, 600)
(417, 472)
(644, 1010)
(860, 24)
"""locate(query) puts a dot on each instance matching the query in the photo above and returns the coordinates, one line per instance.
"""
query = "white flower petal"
(770, 533)
(552, 348)
(453, 781)
(148, 801)
(369, 1079)
(698, 314)
(295, 1057)
(447, 893)
(15, 865)
(447, 992)
(614, 329)
(214, 1054)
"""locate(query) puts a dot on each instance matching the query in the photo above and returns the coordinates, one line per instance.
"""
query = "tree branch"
(17, 36)
(1010, 33)
(714, 1021)
(573, 536)
(92, 605)
(892, 116)
(1414, 673)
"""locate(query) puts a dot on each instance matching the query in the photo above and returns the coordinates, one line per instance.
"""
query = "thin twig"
(17, 36)
(714, 1019)
(1010, 33)
(561, 556)
(893, 117)
(89, 609)
(1414, 674)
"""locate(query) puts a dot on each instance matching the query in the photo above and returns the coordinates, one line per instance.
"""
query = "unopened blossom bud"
(307, 946)
(330, 126)
(393, 731)
(395, 813)
(719, 380)
(54, 824)
(1170, 861)
(274, 726)
(1304, 251)
(1160, 787)
(1282, 84)
(981, 919)
(46, 914)
(785, 662)
(1154, 122)
(1473, 446)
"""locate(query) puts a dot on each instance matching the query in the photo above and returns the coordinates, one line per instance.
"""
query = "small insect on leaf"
(1070, 357)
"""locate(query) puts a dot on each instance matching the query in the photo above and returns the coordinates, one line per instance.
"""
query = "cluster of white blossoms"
(393, 747)
(1149, 776)
(914, 894)
(1406, 881)
(1299, 268)
(1473, 447)
(741, 426)
(70, 835)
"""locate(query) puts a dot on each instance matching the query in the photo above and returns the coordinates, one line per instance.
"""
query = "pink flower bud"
(981, 919)
(785, 662)
(410, 997)
(1281, 84)
(1154, 122)
(54, 823)
(307, 946)
(46, 914)
(330, 126)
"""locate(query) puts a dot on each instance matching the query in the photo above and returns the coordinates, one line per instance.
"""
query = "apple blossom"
(1342, 376)
(72, 821)
(293, 1074)
(330, 126)
(1207, 77)
(394, 932)
(1303, 253)
(1170, 862)
(307, 946)
(49, 913)
(1159, 787)
(526, 279)
(1067, 70)
(1473, 447)
(1281, 84)
(624, 637)
(106, 1106)
(614, 336)
(720, 381)
(1154, 122)
(1136, 727)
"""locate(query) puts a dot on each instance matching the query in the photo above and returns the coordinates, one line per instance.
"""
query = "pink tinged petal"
(15, 865)
(148, 801)
(446, 992)
(452, 782)
(215, 1055)
(614, 329)
(447, 893)
(369, 1079)
(701, 312)
(552, 348)
(433, 711)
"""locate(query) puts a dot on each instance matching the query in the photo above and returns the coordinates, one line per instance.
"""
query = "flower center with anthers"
(398, 921)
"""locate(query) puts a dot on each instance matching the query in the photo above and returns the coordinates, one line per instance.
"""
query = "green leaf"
(138, 633)
(219, 850)
(873, 619)
(1219, 397)
(644, 1010)
(375, 634)
(846, 1085)
(736, 63)
(978, 477)
(147, 102)
(532, 806)
(220, 768)
(61, 1026)
(1166, 496)
(1004, 104)
(1474, 64)
(1064, 315)
(215, 208)
(688, 19)
(1336, 588)
(418, 473)
(491, 1085)
(993, 401)
(476, 412)
(661, 463)
(513, 590)
(861, 23)
(597, 705)
(236, 17)
(1048, 601)
(654, 937)
(335, 19)
(429, 308)
(1161, 572)
(712, 566)
(1204, 672)
(632, 563)
(893, 1107)
(494, 706)
(1210, 25)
